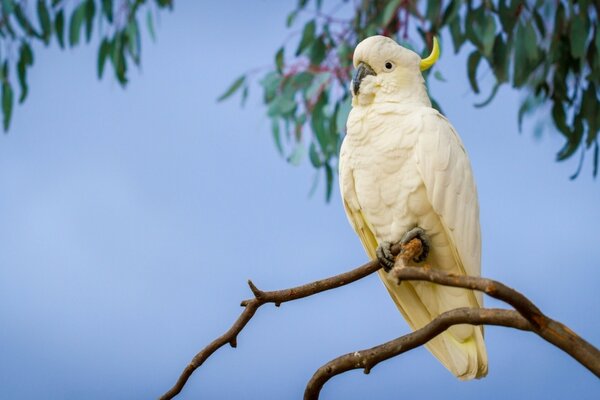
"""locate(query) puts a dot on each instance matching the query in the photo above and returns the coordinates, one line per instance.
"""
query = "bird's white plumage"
(403, 165)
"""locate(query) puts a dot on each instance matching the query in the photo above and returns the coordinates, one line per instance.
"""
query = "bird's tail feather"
(466, 358)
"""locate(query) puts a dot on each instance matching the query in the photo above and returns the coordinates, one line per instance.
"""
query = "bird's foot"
(418, 233)
(385, 256)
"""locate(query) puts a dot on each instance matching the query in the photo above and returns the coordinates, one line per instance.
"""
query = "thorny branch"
(526, 317)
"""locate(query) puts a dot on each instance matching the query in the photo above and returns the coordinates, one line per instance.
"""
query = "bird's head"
(388, 70)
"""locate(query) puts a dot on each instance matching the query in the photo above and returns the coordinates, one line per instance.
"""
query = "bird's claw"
(385, 256)
(418, 233)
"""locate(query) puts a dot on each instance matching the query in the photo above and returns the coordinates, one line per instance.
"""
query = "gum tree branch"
(527, 317)
(408, 251)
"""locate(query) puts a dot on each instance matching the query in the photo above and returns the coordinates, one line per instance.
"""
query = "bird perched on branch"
(404, 173)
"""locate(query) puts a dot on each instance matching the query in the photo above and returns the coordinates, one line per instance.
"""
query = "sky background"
(131, 219)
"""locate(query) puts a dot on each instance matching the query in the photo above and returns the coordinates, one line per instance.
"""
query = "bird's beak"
(362, 70)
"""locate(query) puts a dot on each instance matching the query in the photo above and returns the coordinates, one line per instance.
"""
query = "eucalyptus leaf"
(233, 88)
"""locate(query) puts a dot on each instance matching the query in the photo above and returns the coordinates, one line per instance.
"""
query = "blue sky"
(131, 220)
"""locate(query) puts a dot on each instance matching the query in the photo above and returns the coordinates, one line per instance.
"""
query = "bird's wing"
(446, 172)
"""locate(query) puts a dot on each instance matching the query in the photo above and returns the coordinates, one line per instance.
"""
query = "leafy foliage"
(23, 23)
(550, 49)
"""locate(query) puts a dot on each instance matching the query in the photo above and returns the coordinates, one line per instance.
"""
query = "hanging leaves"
(25, 23)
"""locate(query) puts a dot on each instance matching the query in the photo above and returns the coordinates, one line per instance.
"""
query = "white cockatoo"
(404, 173)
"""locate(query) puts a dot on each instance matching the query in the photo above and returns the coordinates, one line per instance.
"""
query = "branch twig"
(367, 359)
(281, 296)
(526, 317)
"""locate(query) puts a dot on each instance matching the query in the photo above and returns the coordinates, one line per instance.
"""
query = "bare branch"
(527, 317)
(553, 331)
(367, 359)
(281, 296)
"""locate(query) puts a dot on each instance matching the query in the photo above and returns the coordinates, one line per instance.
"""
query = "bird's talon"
(385, 256)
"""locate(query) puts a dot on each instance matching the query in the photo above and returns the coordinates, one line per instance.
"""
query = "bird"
(404, 173)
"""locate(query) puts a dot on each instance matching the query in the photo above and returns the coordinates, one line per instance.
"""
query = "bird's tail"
(460, 349)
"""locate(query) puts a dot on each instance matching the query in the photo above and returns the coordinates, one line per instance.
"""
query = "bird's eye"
(388, 66)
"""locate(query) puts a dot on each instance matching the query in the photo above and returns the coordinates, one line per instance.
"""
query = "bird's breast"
(379, 149)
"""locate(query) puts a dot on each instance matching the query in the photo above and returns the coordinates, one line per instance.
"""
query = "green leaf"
(300, 81)
(276, 135)
(297, 154)
(490, 98)
(573, 141)
(317, 51)
(341, 115)
(45, 21)
(489, 35)
(291, 18)
(559, 117)
(458, 37)
(281, 105)
(472, 64)
(344, 53)
(117, 57)
(508, 15)
(107, 9)
(529, 39)
(526, 107)
(270, 84)
(233, 88)
(24, 21)
(133, 40)
(595, 173)
(328, 182)
(318, 84)
(25, 61)
(475, 26)
(103, 52)
(438, 75)
(590, 109)
(279, 60)
(7, 102)
(76, 23)
(90, 11)
(308, 36)
(500, 59)
(8, 6)
(59, 27)
(319, 125)
(578, 36)
(388, 11)
(314, 156)
(539, 22)
(521, 64)
(244, 96)
(597, 40)
(150, 25)
(451, 12)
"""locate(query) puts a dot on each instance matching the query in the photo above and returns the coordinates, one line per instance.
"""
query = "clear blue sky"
(131, 219)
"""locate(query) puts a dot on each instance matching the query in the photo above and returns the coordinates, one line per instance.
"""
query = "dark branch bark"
(527, 317)
(277, 297)
(367, 359)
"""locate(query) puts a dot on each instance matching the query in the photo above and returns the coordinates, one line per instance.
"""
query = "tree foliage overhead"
(24, 23)
(549, 49)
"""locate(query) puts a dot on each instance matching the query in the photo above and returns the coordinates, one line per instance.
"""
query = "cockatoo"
(404, 173)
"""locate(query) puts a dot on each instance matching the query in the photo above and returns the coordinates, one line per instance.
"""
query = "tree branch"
(277, 297)
(367, 359)
(527, 317)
